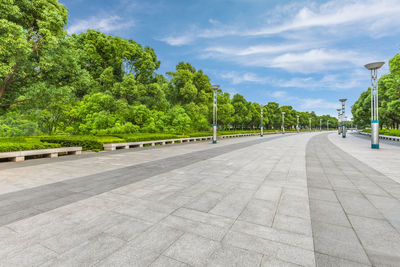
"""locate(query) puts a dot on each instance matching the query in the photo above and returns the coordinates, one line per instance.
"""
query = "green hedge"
(206, 133)
(87, 142)
(23, 143)
(95, 143)
(148, 136)
(392, 132)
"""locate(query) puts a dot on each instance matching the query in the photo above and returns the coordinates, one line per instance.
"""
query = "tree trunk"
(6, 81)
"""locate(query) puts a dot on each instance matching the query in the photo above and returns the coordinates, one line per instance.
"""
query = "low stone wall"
(386, 137)
(17, 156)
(111, 147)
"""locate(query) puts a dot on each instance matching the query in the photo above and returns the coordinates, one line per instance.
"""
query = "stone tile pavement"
(272, 201)
(355, 209)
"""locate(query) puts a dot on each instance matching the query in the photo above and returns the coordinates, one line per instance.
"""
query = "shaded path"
(355, 210)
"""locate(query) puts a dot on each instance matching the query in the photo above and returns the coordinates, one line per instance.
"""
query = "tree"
(94, 83)
(29, 30)
(273, 114)
(225, 110)
(177, 120)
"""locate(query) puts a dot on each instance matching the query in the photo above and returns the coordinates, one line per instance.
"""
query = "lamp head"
(215, 87)
(343, 100)
(374, 65)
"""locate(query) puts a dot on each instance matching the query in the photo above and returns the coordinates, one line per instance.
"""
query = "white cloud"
(179, 40)
(304, 103)
(308, 61)
(279, 94)
(328, 82)
(365, 17)
(213, 21)
(318, 103)
(370, 14)
(332, 82)
(257, 49)
(237, 78)
(313, 60)
(104, 24)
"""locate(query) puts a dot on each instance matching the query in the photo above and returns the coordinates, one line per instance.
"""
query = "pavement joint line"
(383, 215)
(41, 161)
(124, 175)
(343, 164)
(344, 211)
(276, 209)
(252, 195)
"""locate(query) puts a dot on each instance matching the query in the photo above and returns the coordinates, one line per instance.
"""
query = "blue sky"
(306, 54)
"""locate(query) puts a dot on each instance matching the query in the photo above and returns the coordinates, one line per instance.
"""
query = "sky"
(306, 54)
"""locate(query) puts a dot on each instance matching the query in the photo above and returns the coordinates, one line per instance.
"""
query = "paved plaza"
(310, 199)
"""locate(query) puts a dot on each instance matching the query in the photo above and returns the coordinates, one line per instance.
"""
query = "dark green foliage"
(93, 84)
(93, 143)
(23, 143)
(389, 100)
(14, 125)
(148, 137)
(392, 132)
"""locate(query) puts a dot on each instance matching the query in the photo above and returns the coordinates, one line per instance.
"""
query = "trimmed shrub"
(87, 142)
(22, 143)
(148, 136)
(392, 132)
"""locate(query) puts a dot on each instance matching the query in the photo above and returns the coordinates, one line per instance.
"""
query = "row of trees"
(389, 100)
(93, 83)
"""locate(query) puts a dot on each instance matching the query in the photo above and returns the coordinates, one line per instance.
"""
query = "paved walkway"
(355, 209)
(286, 200)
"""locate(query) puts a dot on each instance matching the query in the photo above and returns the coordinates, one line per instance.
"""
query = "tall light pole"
(215, 88)
(309, 120)
(373, 67)
(283, 122)
(262, 122)
(297, 126)
(343, 100)
(327, 125)
(320, 125)
(338, 117)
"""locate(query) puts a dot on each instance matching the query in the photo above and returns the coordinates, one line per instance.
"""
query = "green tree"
(29, 31)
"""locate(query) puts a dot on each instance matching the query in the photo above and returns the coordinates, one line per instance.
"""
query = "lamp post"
(297, 126)
(327, 125)
(309, 120)
(215, 88)
(320, 125)
(283, 122)
(344, 130)
(262, 122)
(373, 67)
(338, 117)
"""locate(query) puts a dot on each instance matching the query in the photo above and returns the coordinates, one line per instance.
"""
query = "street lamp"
(214, 88)
(309, 120)
(283, 122)
(343, 100)
(327, 125)
(297, 126)
(373, 67)
(320, 125)
(262, 122)
(338, 117)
